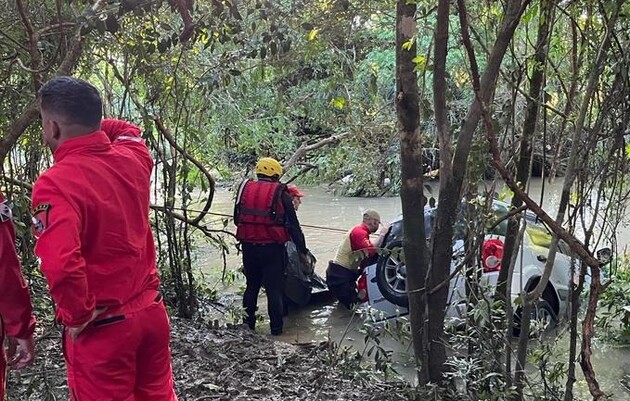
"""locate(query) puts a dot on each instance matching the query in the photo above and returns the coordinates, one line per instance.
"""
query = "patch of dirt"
(226, 364)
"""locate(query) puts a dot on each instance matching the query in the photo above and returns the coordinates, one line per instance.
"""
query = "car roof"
(497, 205)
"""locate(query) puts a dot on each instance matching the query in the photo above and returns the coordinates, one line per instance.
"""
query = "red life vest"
(259, 213)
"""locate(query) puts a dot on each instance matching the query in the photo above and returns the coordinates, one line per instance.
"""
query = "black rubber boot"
(250, 322)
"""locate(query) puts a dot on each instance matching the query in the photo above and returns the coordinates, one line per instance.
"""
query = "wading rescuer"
(354, 253)
(91, 220)
(265, 219)
(16, 318)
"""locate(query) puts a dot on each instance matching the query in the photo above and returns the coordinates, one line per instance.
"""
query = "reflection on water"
(324, 319)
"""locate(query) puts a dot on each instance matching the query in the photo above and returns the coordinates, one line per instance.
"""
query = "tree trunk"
(411, 194)
(574, 296)
(439, 272)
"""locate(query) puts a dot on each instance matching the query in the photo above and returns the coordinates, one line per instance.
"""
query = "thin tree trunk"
(574, 296)
(439, 272)
(412, 193)
(529, 131)
(522, 175)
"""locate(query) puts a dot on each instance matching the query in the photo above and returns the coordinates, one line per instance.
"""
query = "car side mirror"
(604, 255)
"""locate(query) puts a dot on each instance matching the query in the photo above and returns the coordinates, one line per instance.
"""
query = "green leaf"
(312, 35)
(421, 59)
(338, 102)
(420, 62)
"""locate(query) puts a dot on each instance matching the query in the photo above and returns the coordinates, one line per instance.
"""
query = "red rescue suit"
(259, 213)
(91, 217)
(15, 303)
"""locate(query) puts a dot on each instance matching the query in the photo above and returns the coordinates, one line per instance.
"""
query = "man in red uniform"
(266, 220)
(91, 217)
(15, 303)
(355, 252)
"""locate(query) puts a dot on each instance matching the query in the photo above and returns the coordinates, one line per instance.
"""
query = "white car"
(386, 281)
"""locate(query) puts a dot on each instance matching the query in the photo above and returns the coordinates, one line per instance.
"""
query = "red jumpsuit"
(15, 302)
(91, 217)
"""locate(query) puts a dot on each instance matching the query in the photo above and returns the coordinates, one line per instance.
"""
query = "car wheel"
(391, 275)
(545, 315)
(542, 315)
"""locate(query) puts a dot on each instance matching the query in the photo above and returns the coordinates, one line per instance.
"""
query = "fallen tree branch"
(306, 167)
(305, 148)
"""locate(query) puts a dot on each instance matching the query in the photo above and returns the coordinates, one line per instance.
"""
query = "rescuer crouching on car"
(354, 253)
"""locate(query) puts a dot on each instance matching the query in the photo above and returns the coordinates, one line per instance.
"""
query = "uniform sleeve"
(118, 130)
(57, 226)
(129, 136)
(293, 225)
(360, 241)
(15, 303)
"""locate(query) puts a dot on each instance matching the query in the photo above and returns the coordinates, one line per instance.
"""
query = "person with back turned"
(91, 220)
(265, 219)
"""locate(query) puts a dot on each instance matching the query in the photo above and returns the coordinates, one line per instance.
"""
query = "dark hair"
(73, 98)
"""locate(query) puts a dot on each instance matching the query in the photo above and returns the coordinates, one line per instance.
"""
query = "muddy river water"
(325, 217)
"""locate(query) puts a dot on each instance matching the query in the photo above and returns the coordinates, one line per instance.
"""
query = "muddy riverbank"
(227, 363)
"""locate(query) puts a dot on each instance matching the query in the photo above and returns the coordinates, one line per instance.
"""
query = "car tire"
(542, 311)
(391, 275)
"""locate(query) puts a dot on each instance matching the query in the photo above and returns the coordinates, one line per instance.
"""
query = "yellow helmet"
(269, 167)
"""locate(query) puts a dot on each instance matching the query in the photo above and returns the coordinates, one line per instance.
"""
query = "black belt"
(118, 318)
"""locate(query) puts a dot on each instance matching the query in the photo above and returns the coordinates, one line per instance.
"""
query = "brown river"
(325, 217)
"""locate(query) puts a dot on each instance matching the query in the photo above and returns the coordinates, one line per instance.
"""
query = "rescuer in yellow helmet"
(266, 220)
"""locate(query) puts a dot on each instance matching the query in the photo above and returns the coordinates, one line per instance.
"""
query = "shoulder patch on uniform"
(40, 218)
(5, 212)
(42, 207)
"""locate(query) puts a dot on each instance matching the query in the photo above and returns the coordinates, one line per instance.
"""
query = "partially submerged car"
(386, 281)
